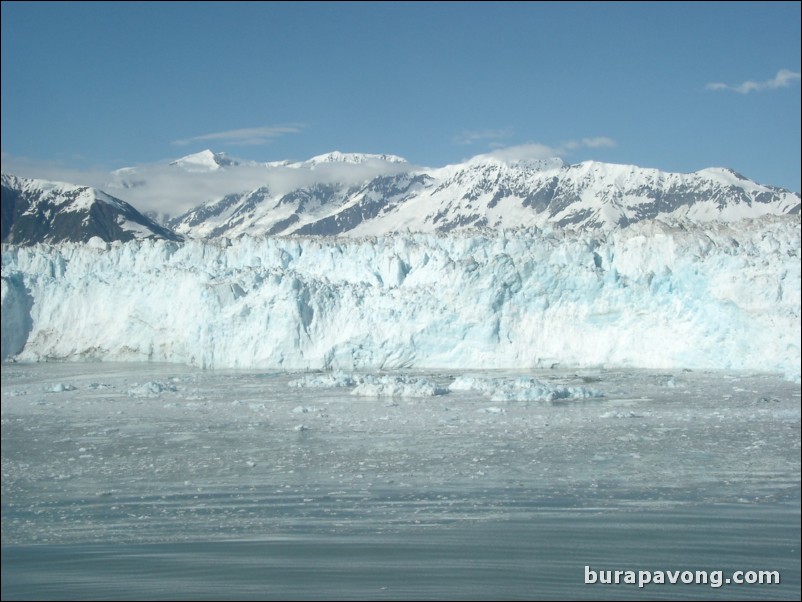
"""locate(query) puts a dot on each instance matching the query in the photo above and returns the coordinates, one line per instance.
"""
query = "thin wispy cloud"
(472, 136)
(246, 136)
(597, 142)
(529, 150)
(521, 152)
(53, 170)
(168, 189)
(536, 150)
(783, 79)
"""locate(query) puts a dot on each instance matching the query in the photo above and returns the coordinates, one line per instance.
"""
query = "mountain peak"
(353, 158)
(37, 211)
(205, 160)
(528, 163)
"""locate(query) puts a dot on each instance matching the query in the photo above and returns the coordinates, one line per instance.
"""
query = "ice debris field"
(135, 452)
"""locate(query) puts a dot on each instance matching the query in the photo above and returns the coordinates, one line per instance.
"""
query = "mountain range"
(351, 194)
(38, 211)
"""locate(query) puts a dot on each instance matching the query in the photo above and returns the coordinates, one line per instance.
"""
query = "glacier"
(657, 294)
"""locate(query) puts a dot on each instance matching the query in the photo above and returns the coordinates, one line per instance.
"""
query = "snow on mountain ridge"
(358, 194)
(529, 163)
(43, 211)
(205, 160)
(63, 196)
(353, 158)
(75, 197)
(500, 192)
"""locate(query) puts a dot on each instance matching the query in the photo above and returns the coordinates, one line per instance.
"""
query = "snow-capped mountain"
(204, 161)
(484, 192)
(40, 211)
(314, 209)
(351, 158)
(352, 194)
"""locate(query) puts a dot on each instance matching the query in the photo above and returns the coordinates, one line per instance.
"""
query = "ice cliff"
(654, 295)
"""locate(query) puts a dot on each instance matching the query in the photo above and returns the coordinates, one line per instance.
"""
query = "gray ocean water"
(163, 482)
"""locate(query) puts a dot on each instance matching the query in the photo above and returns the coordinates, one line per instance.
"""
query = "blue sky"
(679, 87)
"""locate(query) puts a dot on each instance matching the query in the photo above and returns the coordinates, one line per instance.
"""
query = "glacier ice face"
(16, 305)
(652, 295)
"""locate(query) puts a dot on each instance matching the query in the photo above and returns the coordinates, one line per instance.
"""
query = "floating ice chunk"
(521, 389)
(149, 389)
(472, 383)
(99, 386)
(370, 385)
(620, 415)
(60, 387)
(397, 386)
(323, 381)
(768, 399)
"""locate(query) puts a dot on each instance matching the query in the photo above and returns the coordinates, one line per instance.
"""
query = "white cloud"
(537, 151)
(598, 142)
(471, 136)
(522, 152)
(783, 79)
(532, 150)
(54, 171)
(170, 190)
(246, 136)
